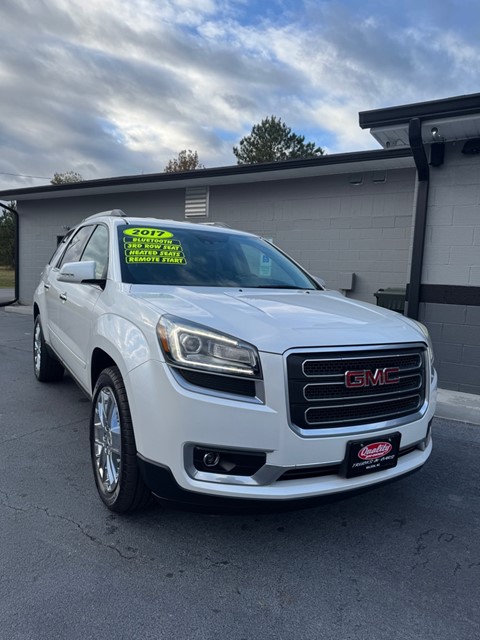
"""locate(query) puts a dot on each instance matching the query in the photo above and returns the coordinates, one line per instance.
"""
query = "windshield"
(204, 258)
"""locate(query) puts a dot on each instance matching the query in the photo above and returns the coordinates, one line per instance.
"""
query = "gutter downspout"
(15, 213)
(421, 202)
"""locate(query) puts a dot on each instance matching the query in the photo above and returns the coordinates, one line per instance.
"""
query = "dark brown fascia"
(433, 109)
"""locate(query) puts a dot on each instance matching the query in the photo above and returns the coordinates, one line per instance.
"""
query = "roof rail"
(216, 224)
(116, 213)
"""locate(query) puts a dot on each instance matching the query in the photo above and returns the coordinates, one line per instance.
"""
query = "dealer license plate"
(371, 455)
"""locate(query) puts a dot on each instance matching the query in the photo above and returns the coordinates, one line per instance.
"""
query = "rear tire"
(47, 368)
(112, 446)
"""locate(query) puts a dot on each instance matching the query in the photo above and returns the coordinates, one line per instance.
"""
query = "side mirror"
(77, 271)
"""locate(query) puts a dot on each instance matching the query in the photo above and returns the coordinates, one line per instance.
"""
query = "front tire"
(112, 446)
(47, 368)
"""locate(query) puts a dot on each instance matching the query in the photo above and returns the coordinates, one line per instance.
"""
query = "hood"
(276, 321)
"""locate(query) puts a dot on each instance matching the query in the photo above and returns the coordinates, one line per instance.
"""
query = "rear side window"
(76, 246)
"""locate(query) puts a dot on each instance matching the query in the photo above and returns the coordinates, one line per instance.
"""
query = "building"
(405, 215)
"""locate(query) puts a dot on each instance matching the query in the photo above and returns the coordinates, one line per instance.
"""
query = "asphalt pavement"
(399, 562)
(6, 294)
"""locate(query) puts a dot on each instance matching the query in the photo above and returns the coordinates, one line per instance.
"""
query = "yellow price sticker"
(147, 233)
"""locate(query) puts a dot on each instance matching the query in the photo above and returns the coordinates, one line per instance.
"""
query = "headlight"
(428, 339)
(191, 345)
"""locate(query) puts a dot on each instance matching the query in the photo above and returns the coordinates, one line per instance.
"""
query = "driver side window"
(76, 246)
(97, 249)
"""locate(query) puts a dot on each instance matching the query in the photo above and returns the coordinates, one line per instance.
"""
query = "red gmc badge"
(367, 378)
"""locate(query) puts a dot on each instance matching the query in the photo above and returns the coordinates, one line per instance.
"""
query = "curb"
(23, 309)
(454, 405)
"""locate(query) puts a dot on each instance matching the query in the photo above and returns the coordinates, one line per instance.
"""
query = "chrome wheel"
(113, 452)
(37, 348)
(45, 365)
(107, 440)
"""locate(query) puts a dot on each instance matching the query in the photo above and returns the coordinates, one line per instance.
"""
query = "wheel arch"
(100, 361)
(118, 342)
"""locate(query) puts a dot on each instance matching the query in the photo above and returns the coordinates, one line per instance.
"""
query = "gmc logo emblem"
(367, 378)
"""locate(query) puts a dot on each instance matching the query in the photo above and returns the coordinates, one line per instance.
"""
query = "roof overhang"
(444, 120)
(356, 162)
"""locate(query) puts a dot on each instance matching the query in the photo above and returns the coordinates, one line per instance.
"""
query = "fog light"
(227, 461)
(211, 459)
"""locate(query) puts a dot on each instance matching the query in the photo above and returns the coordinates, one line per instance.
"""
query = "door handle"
(46, 286)
(63, 296)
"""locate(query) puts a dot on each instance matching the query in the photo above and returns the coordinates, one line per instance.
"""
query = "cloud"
(121, 86)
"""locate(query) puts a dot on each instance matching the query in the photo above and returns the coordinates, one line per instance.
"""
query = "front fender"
(123, 341)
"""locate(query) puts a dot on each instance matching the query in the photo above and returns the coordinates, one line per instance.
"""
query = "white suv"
(219, 369)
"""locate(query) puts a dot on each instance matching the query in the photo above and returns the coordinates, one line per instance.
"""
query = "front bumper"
(170, 420)
(163, 485)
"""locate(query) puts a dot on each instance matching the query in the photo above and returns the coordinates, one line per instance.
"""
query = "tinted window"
(75, 248)
(97, 249)
(208, 258)
(60, 248)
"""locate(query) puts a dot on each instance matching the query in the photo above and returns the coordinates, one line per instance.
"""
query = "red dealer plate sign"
(371, 455)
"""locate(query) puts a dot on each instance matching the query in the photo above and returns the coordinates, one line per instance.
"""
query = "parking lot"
(402, 561)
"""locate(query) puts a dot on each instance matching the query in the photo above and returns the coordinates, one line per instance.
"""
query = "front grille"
(319, 397)
(320, 367)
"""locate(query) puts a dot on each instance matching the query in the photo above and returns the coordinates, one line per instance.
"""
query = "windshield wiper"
(279, 286)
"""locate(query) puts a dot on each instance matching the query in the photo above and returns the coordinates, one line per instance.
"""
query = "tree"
(272, 140)
(66, 177)
(187, 161)
(7, 237)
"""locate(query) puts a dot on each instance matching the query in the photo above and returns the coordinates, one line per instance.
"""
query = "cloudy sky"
(116, 87)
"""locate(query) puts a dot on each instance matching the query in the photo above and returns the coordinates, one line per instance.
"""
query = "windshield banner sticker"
(153, 246)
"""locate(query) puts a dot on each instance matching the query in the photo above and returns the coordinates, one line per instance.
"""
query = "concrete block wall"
(452, 257)
(455, 331)
(329, 225)
(452, 241)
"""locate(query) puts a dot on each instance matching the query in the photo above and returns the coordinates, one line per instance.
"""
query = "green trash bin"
(392, 298)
